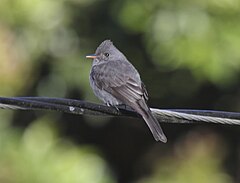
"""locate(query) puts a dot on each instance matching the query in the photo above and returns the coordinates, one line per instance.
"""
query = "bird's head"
(106, 52)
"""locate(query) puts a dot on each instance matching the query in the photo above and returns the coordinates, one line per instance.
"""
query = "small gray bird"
(115, 81)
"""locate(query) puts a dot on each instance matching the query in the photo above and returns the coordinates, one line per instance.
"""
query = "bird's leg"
(108, 104)
(115, 106)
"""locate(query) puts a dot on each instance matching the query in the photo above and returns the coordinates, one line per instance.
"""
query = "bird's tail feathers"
(151, 121)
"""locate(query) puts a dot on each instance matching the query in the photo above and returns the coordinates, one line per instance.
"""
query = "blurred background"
(187, 53)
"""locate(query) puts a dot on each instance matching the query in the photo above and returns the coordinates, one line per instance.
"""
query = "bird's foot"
(114, 106)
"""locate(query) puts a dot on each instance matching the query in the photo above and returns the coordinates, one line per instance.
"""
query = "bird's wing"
(120, 79)
(145, 92)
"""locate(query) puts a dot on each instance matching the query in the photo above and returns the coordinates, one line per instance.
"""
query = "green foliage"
(182, 44)
(31, 30)
(195, 159)
(39, 155)
(200, 35)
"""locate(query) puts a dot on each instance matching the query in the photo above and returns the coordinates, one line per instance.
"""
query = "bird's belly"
(106, 97)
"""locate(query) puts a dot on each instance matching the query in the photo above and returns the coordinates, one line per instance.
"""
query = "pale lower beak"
(93, 56)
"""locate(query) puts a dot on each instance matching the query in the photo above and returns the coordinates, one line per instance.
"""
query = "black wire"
(65, 105)
(80, 107)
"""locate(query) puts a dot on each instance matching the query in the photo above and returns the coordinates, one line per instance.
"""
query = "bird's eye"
(106, 54)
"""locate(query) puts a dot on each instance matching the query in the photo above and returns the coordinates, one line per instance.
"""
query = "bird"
(115, 81)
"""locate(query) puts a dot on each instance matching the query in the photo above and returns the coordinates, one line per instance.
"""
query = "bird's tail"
(151, 121)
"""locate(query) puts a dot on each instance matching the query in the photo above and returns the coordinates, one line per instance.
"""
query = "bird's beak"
(93, 56)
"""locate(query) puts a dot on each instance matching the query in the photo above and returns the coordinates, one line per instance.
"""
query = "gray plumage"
(115, 81)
